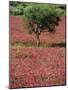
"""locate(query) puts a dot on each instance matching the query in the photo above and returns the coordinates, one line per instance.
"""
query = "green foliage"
(45, 16)
(16, 8)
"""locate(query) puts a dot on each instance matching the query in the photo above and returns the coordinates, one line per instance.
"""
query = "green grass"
(27, 44)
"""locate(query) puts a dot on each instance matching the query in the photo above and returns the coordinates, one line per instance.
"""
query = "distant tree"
(16, 8)
(40, 18)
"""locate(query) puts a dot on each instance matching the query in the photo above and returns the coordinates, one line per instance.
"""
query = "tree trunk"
(38, 40)
(37, 32)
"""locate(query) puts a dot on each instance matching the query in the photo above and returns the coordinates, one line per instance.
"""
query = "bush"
(18, 10)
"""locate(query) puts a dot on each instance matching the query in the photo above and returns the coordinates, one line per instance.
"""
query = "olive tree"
(40, 17)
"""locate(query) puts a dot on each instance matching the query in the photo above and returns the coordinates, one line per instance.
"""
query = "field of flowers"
(20, 36)
(32, 66)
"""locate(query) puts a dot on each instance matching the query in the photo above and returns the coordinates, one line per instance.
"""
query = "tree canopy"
(44, 16)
